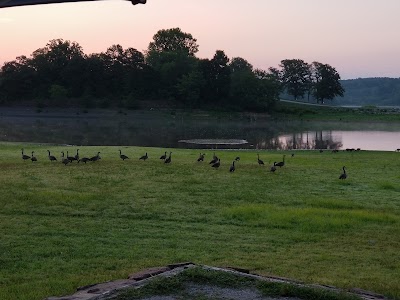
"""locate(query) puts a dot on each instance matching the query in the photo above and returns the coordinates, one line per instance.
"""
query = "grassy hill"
(370, 91)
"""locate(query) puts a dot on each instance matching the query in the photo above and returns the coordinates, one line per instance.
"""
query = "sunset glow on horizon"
(357, 37)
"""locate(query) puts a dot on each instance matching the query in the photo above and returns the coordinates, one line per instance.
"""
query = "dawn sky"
(360, 38)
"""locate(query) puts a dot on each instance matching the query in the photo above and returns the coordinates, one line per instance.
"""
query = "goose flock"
(215, 161)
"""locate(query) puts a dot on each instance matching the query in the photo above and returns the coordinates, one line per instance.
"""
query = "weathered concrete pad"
(148, 273)
(105, 290)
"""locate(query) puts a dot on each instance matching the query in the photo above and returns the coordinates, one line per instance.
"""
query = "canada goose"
(201, 157)
(122, 156)
(320, 150)
(33, 158)
(214, 160)
(164, 156)
(273, 167)
(281, 163)
(144, 157)
(24, 156)
(343, 175)
(260, 162)
(237, 158)
(96, 157)
(51, 157)
(168, 160)
(77, 155)
(217, 164)
(70, 158)
(64, 160)
(84, 159)
(292, 154)
(232, 168)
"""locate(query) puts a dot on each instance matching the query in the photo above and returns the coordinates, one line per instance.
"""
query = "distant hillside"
(370, 91)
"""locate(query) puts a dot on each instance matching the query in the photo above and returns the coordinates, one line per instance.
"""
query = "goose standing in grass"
(201, 157)
(217, 164)
(144, 157)
(24, 156)
(232, 168)
(260, 162)
(77, 155)
(237, 158)
(343, 175)
(84, 159)
(281, 163)
(273, 167)
(164, 156)
(70, 158)
(122, 156)
(168, 159)
(33, 158)
(96, 157)
(51, 157)
(214, 160)
(64, 160)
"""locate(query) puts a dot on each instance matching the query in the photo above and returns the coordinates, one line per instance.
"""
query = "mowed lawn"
(62, 227)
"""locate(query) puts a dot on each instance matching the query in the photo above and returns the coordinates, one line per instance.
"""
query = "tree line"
(60, 74)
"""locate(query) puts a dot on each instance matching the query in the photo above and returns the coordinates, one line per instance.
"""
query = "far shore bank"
(285, 111)
(28, 111)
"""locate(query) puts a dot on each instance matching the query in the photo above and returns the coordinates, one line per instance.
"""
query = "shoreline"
(286, 111)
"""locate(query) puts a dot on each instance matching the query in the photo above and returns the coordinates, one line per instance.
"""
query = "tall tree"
(173, 40)
(96, 76)
(254, 90)
(18, 80)
(269, 88)
(140, 79)
(51, 61)
(216, 73)
(57, 54)
(243, 87)
(326, 82)
(295, 75)
(276, 78)
(238, 64)
(120, 66)
(171, 54)
(190, 87)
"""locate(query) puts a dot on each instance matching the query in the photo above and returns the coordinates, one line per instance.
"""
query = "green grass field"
(67, 226)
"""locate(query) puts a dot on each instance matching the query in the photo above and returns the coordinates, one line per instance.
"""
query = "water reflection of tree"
(303, 140)
(313, 140)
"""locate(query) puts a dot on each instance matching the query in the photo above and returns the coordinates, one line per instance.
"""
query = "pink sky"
(357, 37)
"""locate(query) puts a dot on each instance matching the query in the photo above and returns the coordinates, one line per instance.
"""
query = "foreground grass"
(67, 226)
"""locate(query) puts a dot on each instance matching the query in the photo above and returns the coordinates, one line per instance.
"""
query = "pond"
(158, 129)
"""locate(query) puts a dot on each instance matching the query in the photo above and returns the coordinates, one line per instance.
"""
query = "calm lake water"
(166, 130)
